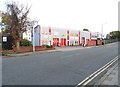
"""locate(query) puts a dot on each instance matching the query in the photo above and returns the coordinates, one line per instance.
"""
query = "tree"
(113, 35)
(4, 23)
(16, 21)
(107, 36)
(85, 29)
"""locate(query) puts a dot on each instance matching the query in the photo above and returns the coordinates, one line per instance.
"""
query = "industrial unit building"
(44, 35)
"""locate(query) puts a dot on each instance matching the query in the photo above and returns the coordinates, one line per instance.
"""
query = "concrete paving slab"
(111, 77)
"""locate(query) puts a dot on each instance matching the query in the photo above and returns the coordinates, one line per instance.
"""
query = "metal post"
(33, 40)
(101, 31)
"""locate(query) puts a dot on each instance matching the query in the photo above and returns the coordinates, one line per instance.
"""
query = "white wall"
(73, 37)
(62, 33)
(27, 34)
(55, 33)
(85, 34)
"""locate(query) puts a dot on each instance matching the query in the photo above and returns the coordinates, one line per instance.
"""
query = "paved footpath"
(111, 77)
(71, 48)
(57, 49)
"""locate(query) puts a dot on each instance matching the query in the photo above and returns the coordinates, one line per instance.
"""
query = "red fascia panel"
(49, 31)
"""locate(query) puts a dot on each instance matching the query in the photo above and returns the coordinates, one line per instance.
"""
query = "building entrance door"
(67, 43)
(83, 41)
(55, 41)
(63, 42)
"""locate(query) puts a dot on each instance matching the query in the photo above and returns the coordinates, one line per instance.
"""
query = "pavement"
(110, 78)
(32, 53)
(57, 49)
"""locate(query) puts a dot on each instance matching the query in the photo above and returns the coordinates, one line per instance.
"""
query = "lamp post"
(33, 39)
(102, 25)
(101, 31)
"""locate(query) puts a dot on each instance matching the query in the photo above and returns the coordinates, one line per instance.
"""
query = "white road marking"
(96, 73)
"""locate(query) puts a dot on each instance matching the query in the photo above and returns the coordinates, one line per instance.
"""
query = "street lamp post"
(33, 39)
(102, 32)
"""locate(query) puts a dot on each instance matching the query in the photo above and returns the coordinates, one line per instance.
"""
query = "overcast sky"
(74, 14)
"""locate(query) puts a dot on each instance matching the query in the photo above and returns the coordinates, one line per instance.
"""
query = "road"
(57, 68)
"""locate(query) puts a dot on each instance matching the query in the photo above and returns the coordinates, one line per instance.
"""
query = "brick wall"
(87, 42)
(30, 48)
(38, 48)
(25, 49)
(92, 43)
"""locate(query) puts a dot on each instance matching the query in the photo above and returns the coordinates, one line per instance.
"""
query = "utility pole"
(33, 39)
(102, 25)
(101, 31)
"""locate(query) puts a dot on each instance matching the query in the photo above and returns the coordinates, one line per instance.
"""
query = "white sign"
(4, 39)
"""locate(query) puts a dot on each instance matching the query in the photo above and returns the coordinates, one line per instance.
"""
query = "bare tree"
(17, 21)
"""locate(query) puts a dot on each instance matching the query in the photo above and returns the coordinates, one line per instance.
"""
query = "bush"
(47, 46)
(81, 44)
(72, 45)
(25, 42)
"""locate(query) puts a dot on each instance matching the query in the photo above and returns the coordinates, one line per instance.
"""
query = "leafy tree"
(25, 42)
(107, 36)
(15, 21)
(113, 35)
(5, 23)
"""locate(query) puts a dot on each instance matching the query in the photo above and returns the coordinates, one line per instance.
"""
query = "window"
(76, 41)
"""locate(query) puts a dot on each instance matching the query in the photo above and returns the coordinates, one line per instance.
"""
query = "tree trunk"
(17, 45)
